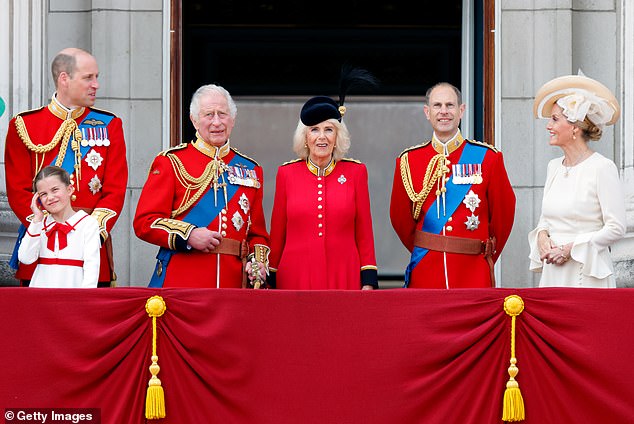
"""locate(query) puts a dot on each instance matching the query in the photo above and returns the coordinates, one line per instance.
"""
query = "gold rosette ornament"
(513, 409)
(155, 399)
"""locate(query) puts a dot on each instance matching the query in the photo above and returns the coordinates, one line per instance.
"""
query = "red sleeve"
(278, 219)
(115, 173)
(19, 174)
(257, 232)
(156, 201)
(401, 210)
(501, 200)
(363, 221)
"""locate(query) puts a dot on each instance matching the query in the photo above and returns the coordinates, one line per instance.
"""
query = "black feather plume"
(353, 77)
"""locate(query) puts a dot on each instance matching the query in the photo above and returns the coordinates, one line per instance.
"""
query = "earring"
(574, 137)
(306, 145)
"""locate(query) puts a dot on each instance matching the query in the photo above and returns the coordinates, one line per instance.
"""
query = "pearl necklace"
(581, 157)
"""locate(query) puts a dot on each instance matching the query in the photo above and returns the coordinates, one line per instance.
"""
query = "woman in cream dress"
(583, 208)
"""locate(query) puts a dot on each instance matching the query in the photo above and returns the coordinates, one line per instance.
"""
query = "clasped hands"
(552, 253)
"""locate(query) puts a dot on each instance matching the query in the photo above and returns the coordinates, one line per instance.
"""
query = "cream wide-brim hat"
(559, 87)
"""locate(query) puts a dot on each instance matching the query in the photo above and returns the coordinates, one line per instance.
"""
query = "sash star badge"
(237, 220)
(94, 159)
(472, 222)
(94, 185)
(244, 203)
(341, 179)
(471, 201)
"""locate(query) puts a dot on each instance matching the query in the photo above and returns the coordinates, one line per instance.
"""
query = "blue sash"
(69, 165)
(471, 153)
(200, 215)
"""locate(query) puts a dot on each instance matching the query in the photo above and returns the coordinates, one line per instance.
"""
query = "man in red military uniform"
(70, 133)
(202, 204)
(452, 203)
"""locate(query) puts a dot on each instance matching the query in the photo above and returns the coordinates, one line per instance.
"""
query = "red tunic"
(164, 192)
(109, 179)
(321, 228)
(495, 212)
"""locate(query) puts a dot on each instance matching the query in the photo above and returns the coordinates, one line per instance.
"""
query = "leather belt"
(233, 247)
(449, 244)
(452, 244)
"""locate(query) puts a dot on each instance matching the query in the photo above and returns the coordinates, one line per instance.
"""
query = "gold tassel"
(155, 399)
(513, 409)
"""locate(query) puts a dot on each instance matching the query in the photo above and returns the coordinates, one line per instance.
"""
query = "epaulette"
(418, 146)
(27, 112)
(106, 112)
(292, 161)
(244, 156)
(350, 160)
(483, 144)
(173, 149)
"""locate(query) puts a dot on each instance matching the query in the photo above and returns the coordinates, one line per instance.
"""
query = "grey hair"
(443, 84)
(194, 106)
(342, 144)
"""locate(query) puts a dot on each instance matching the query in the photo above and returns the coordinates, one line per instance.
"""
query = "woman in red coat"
(321, 227)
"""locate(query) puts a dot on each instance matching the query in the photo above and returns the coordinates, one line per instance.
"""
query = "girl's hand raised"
(36, 208)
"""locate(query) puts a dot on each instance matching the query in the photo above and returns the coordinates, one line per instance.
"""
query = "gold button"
(319, 186)
(223, 211)
(449, 228)
(319, 199)
(224, 226)
(320, 225)
(319, 192)
(321, 234)
(224, 233)
(224, 219)
(320, 207)
(320, 216)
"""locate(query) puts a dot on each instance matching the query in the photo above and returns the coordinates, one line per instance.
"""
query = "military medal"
(472, 222)
(94, 185)
(94, 137)
(240, 175)
(467, 173)
(471, 201)
(94, 159)
(244, 203)
(237, 220)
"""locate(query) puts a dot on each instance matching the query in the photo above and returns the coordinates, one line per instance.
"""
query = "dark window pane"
(297, 48)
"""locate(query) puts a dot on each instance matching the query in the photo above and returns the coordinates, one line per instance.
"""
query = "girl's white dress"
(76, 265)
(585, 207)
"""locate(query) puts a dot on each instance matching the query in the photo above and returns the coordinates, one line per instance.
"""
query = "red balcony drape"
(388, 356)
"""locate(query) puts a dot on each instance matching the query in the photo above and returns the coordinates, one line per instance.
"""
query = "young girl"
(64, 243)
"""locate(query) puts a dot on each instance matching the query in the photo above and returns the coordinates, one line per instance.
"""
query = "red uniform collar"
(62, 112)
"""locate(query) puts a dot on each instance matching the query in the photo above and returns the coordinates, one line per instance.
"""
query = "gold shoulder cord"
(68, 128)
(434, 171)
(190, 183)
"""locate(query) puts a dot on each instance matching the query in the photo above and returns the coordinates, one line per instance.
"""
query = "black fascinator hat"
(321, 108)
